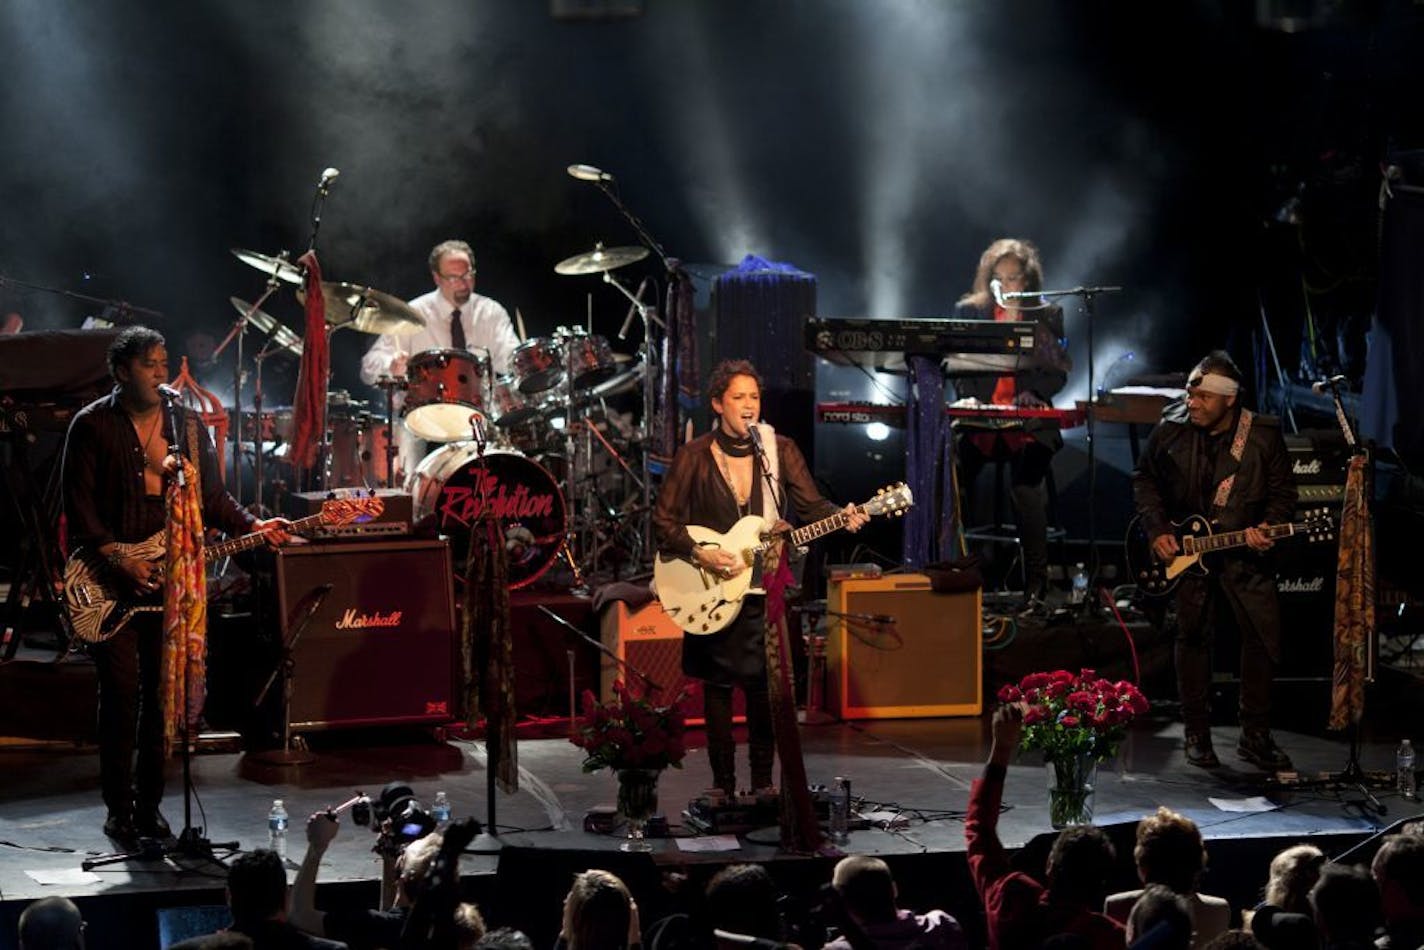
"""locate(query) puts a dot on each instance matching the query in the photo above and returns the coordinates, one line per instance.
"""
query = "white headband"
(1214, 383)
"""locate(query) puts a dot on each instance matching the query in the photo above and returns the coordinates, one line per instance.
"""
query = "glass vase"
(637, 802)
(1071, 780)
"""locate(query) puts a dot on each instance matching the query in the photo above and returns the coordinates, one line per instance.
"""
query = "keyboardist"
(1009, 266)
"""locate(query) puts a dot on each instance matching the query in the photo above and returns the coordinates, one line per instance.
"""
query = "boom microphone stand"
(1089, 296)
(286, 668)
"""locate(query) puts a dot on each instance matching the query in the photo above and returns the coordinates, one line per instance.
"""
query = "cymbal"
(269, 325)
(368, 310)
(600, 259)
(285, 270)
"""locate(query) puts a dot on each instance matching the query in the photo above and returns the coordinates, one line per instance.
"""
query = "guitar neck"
(817, 529)
(249, 541)
(1234, 539)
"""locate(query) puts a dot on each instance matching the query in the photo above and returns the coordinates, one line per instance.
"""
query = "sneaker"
(150, 823)
(1199, 750)
(1257, 747)
(120, 828)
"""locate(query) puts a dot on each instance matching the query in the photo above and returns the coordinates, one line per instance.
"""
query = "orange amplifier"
(898, 650)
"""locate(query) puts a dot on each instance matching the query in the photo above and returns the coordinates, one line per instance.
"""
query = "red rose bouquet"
(630, 732)
(1068, 716)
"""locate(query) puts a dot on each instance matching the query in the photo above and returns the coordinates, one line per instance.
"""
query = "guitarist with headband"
(116, 468)
(1211, 456)
(714, 481)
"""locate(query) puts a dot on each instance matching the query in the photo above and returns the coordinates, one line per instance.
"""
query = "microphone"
(997, 289)
(589, 173)
(632, 309)
(327, 177)
(168, 392)
(755, 433)
(1320, 385)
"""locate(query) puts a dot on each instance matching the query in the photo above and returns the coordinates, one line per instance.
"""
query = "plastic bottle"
(1079, 593)
(840, 809)
(1404, 768)
(277, 828)
(440, 810)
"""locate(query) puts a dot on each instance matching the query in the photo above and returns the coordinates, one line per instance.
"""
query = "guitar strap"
(1238, 450)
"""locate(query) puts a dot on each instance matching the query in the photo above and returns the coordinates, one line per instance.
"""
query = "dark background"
(877, 145)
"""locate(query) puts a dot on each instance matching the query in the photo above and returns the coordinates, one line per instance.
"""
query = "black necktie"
(457, 331)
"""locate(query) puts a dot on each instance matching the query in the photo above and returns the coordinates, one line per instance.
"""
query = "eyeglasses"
(456, 278)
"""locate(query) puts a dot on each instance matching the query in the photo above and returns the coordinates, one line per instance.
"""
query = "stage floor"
(51, 814)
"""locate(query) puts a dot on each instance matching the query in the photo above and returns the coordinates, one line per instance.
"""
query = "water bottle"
(840, 809)
(1404, 768)
(277, 828)
(440, 811)
(1079, 593)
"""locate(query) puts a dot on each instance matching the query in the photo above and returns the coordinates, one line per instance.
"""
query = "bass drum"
(453, 487)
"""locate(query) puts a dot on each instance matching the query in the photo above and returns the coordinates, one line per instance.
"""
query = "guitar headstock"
(1318, 525)
(352, 508)
(891, 500)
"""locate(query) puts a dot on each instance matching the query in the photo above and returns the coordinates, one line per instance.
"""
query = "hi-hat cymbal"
(600, 259)
(285, 270)
(269, 325)
(368, 310)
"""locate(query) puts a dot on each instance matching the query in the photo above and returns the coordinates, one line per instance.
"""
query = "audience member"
(1020, 911)
(504, 938)
(1293, 873)
(867, 894)
(403, 874)
(1160, 919)
(1398, 870)
(742, 899)
(1346, 904)
(599, 913)
(1233, 940)
(257, 898)
(1170, 852)
(51, 923)
(222, 940)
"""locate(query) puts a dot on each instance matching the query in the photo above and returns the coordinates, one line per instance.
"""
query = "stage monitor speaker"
(928, 662)
(380, 645)
(647, 640)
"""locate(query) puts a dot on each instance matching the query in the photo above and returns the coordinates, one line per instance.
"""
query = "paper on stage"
(1258, 803)
(66, 876)
(709, 843)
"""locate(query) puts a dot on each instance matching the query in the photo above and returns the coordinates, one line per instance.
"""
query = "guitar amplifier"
(379, 645)
(923, 661)
(648, 640)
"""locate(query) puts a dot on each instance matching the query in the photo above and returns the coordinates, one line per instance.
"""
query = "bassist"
(116, 468)
(1209, 454)
(715, 480)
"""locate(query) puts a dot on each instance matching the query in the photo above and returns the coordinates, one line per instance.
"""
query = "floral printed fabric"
(1354, 600)
(183, 668)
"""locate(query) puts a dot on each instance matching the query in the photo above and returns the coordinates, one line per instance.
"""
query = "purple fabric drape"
(930, 526)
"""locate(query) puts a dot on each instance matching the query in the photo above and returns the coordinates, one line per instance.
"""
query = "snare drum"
(444, 388)
(454, 487)
(587, 356)
(538, 364)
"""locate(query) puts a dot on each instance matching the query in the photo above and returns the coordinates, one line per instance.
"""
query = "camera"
(396, 816)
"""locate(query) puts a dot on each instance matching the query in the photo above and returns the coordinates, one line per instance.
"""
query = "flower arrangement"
(630, 732)
(1068, 716)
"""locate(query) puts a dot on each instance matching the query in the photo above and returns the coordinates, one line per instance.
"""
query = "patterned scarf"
(183, 669)
(487, 648)
(1354, 601)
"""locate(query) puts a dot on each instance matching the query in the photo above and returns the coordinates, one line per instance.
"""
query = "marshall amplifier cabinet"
(379, 647)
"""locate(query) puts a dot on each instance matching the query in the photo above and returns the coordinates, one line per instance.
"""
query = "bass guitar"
(701, 602)
(1157, 578)
(100, 600)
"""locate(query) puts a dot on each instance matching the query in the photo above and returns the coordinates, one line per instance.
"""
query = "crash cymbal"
(600, 259)
(368, 310)
(269, 325)
(285, 270)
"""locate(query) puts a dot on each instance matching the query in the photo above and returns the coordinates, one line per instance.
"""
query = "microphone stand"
(286, 667)
(120, 309)
(1088, 295)
(648, 682)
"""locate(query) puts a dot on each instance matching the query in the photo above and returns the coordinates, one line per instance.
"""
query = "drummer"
(455, 317)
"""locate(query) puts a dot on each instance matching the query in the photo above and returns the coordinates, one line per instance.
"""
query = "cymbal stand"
(389, 385)
(259, 451)
(238, 331)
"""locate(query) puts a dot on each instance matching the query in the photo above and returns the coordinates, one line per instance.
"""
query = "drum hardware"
(276, 268)
(600, 260)
(276, 331)
(388, 385)
(367, 310)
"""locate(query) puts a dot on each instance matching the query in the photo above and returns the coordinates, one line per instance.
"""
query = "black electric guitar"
(1157, 578)
(101, 601)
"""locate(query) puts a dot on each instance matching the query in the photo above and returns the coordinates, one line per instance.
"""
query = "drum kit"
(541, 446)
